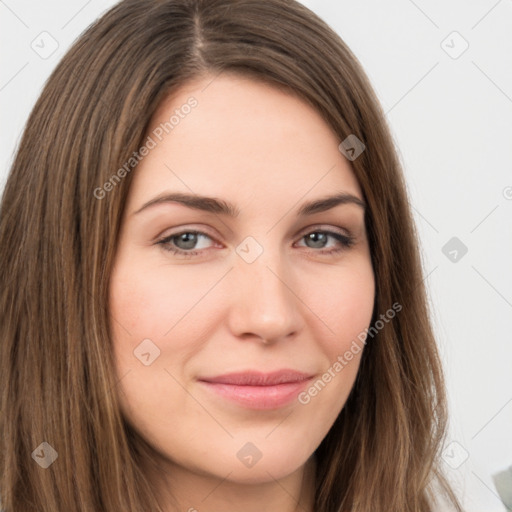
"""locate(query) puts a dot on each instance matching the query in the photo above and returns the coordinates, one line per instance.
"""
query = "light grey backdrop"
(443, 72)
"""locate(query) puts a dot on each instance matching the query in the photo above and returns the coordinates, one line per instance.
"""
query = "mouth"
(257, 390)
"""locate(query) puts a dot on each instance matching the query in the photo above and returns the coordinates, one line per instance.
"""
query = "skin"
(294, 306)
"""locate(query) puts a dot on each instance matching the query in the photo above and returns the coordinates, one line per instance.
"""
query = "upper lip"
(257, 378)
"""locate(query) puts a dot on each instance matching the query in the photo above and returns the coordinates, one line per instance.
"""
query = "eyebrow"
(219, 206)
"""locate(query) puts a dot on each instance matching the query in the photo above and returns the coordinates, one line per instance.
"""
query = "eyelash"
(345, 241)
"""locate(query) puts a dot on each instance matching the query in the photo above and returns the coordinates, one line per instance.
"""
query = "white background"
(452, 122)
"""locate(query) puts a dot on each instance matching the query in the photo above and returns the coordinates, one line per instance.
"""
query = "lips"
(255, 378)
(258, 390)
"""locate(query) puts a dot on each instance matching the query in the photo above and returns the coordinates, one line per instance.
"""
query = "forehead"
(243, 140)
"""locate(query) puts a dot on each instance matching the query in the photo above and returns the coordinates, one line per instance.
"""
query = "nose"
(265, 302)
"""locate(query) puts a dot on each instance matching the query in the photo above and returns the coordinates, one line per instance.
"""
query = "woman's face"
(218, 347)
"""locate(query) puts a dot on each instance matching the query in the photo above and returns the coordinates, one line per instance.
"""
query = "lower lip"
(259, 397)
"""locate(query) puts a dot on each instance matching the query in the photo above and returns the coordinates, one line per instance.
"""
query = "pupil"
(189, 240)
(317, 238)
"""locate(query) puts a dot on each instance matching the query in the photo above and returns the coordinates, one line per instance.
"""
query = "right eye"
(184, 243)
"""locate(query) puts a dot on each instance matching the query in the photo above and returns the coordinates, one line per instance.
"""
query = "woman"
(212, 296)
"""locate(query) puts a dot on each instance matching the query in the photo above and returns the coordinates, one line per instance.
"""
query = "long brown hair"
(58, 241)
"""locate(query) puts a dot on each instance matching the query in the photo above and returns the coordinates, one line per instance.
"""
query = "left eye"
(317, 238)
(185, 243)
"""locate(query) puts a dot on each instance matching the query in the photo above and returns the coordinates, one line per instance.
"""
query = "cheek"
(157, 324)
(345, 307)
(154, 302)
(154, 310)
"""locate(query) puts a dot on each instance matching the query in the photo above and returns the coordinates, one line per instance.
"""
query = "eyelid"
(325, 227)
(204, 230)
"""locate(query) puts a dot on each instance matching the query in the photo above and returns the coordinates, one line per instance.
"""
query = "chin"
(262, 472)
(275, 462)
